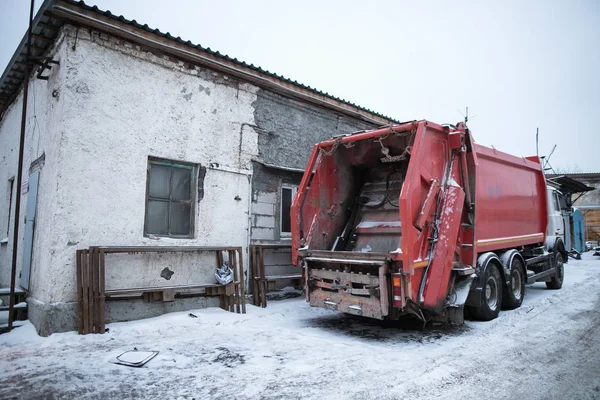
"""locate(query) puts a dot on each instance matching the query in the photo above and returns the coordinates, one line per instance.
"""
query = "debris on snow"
(135, 358)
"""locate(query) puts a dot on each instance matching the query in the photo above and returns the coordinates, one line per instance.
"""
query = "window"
(555, 201)
(287, 196)
(170, 199)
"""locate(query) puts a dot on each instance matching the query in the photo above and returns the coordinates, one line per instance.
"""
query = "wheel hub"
(516, 284)
(491, 293)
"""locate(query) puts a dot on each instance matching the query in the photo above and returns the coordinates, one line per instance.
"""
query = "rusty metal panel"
(341, 293)
(438, 273)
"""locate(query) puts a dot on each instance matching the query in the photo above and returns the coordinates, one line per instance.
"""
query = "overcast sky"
(517, 65)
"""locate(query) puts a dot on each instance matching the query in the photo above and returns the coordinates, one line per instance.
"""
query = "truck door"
(555, 219)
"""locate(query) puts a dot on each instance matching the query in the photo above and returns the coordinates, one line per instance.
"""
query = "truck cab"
(559, 212)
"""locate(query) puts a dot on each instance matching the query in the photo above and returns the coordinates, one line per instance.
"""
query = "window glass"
(181, 184)
(156, 217)
(286, 204)
(180, 219)
(170, 199)
(160, 176)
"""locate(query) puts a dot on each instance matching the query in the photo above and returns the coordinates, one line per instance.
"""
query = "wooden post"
(236, 285)
(78, 256)
(263, 280)
(242, 280)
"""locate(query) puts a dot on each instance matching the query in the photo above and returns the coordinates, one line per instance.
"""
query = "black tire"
(557, 279)
(491, 295)
(515, 291)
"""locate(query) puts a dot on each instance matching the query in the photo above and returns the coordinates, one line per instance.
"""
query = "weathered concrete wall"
(287, 131)
(43, 141)
(288, 128)
(266, 200)
(122, 105)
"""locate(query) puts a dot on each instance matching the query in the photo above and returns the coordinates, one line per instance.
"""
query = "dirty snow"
(547, 349)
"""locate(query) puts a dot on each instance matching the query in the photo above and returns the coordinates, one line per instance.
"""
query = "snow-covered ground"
(547, 349)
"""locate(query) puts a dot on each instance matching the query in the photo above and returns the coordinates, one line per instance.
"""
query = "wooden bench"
(92, 294)
(258, 278)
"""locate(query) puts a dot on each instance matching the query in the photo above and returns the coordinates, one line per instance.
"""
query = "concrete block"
(263, 234)
(267, 197)
(278, 258)
(52, 318)
(263, 209)
(265, 222)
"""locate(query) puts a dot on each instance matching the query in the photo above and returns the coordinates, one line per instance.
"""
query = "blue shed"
(578, 231)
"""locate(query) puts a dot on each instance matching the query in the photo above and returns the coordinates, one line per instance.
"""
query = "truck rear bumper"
(353, 293)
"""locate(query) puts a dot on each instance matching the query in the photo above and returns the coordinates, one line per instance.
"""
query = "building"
(135, 137)
(588, 203)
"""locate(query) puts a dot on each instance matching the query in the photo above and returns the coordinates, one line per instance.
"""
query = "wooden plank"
(85, 276)
(95, 278)
(254, 274)
(177, 288)
(236, 292)
(263, 282)
(101, 288)
(159, 249)
(242, 280)
(90, 292)
(78, 256)
(6, 291)
(288, 276)
(219, 261)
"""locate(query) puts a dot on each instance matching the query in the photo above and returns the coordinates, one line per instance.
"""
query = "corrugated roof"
(47, 23)
(569, 185)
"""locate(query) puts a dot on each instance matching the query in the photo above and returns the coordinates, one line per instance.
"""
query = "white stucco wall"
(118, 106)
(123, 105)
(43, 133)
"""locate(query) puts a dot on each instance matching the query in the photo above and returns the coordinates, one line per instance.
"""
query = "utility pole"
(537, 134)
(13, 271)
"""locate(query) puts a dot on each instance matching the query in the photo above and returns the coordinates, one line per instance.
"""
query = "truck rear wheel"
(513, 298)
(491, 295)
(557, 279)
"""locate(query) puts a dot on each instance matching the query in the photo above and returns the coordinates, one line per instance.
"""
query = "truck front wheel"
(491, 295)
(557, 280)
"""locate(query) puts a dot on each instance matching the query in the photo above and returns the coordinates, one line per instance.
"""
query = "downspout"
(249, 285)
(13, 271)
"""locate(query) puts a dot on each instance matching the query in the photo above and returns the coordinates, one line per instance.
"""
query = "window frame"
(11, 192)
(294, 189)
(194, 168)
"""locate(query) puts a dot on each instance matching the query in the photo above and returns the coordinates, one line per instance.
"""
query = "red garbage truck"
(417, 218)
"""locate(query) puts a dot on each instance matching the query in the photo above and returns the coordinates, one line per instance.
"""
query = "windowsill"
(4, 241)
(159, 237)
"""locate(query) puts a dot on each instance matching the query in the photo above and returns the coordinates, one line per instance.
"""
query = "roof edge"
(79, 13)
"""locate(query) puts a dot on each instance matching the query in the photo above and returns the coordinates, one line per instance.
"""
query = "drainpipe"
(13, 271)
(249, 286)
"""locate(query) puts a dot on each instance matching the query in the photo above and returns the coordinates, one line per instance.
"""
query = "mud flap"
(457, 300)
(461, 291)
